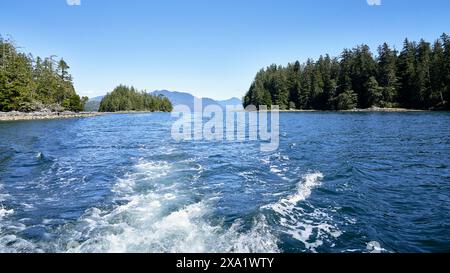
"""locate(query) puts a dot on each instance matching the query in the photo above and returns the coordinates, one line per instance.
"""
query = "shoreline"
(368, 110)
(21, 116)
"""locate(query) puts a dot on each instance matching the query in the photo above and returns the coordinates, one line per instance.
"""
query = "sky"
(210, 48)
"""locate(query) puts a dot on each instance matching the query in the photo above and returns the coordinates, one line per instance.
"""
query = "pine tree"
(407, 71)
(375, 92)
(446, 69)
(364, 67)
(16, 78)
(423, 96)
(387, 74)
(437, 75)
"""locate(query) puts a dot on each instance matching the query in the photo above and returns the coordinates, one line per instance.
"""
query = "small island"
(128, 99)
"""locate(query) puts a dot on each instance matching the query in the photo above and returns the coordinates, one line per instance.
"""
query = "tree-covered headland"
(417, 77)
(124, 98)
(29, 83)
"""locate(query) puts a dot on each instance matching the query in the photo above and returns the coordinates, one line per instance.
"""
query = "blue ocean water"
(340, 182)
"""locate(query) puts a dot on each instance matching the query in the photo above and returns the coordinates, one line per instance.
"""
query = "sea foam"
(304, 190)
(163, 218)
(310, 226)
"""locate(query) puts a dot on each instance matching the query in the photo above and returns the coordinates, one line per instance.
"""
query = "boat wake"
(311, 226)
(160, 215)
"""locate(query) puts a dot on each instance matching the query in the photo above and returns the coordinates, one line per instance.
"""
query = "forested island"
(417, 77)
(124, 98)
(30, 84)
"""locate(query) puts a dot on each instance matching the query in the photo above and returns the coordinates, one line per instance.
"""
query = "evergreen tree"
(423, 93)
(387, 74)
(446, 69)
(407, 72)
(16, 78)
(437, 76)
(374, 92)
(363, 67)
(31, 84)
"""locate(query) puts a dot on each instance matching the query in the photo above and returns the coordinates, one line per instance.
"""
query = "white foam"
(274, 169)
(14, 244)
(313, 230)
(3, 197)
(304, 190)
(143, 172)
(310, 228)
(184, 230)
(157, 221)
(4, 212)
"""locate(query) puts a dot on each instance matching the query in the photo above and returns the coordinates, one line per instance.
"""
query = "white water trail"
(163, 219)
(309, 227)
(304, 190)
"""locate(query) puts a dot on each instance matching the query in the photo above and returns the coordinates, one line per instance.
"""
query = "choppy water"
(119, 183)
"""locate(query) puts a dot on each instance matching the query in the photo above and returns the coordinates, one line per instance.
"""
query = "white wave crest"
(304, 190)
(4, 212)
(310, 227)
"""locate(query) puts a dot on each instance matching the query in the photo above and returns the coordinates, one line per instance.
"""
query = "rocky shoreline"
(369, 110)
(17, 116)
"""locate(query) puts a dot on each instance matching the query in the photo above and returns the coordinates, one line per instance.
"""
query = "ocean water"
(340, 182)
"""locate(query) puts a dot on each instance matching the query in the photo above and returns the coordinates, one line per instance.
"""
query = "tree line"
(124, 98)
(30, 84)
(417, 77)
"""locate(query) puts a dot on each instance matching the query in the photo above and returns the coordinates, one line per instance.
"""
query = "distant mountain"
(93, 104)
(233, 101)
(182, 98)
(176, 98)
(99, 99)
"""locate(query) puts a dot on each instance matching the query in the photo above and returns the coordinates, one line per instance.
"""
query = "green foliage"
(417, 77)
(346, 100)
(32, 84)
(73, 103)
(374, 93)
(125, 98)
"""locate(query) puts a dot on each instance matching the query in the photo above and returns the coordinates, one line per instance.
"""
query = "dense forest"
(125, 98)
(33, 84)
(417, 77)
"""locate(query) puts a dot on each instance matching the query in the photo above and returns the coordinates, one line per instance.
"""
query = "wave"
(159, 216)
(304, 190)
(4, 212)
(310, 226)
(10, 243)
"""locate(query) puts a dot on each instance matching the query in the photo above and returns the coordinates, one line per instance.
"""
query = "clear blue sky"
(210, 48)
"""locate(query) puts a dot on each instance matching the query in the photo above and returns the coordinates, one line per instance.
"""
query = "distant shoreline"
(369, 110)
(21, 116)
